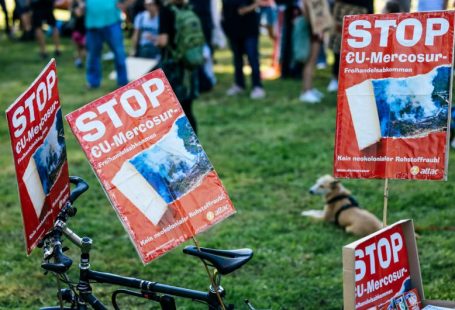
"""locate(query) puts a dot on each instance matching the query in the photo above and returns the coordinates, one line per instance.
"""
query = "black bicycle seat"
(225, 261)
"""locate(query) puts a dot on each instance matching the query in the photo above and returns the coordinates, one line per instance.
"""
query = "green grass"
(267, 153)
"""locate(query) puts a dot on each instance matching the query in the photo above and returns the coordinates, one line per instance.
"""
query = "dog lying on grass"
(341, 208)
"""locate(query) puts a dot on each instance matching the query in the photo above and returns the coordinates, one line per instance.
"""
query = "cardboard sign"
(379, 268)
(151, 165)
(376, 268)
(320, 17)
(394, 98)
(37, 139)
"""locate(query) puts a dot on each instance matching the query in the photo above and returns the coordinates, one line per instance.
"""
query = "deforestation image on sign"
(400, 107)
(166, 171)
(45, 165)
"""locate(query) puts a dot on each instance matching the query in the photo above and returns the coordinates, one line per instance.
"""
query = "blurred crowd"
(183, 35)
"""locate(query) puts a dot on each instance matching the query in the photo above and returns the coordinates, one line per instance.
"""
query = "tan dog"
(341, 208)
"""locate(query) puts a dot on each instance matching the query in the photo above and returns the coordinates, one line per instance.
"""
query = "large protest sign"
(150, 163)
(394, 96)
(36, 129)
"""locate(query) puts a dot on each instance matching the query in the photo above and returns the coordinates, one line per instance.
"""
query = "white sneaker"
(257, 93)
(333, 85)
(309, 97)
(234, 90)
(319, 94)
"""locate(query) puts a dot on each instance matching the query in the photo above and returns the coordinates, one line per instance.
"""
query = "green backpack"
(189, 38)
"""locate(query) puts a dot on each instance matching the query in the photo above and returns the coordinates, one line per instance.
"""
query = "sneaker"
(257, 93)
(43, 55)
(333, 85)
(319, 94)
(309, 97)
(234, 90)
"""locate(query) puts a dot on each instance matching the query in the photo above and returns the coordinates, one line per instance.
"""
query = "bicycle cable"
(215, 287)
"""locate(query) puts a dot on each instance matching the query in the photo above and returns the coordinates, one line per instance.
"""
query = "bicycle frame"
(148, 289)
(80, 295)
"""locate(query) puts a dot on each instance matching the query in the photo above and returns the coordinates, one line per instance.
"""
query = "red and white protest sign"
(394, 96)
(36, 129)
(381, 268)
(150, 163)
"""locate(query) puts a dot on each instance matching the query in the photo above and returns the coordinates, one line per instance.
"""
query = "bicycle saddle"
(225, 261)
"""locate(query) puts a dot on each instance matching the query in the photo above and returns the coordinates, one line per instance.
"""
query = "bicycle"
(80, 295)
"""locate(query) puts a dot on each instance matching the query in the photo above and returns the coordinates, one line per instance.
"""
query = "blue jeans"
(248, 46)
(95, 38)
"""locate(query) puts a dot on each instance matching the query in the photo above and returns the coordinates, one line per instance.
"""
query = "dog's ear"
(334, 184)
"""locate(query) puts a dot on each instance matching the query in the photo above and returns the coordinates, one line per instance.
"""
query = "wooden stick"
(386, 200)
(215, 287)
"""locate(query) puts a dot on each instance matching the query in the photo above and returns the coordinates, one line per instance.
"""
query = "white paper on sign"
(133, 185)
(364, 113)
(136, 67)
(34, 186)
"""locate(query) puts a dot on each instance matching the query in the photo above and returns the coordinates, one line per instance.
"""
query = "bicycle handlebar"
(61, 262)
(81, 187)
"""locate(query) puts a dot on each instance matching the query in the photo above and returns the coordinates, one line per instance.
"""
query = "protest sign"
(394, 96)
(383, 266)
(320, 17)
(151, 165)
(376, 268)
(36, 129)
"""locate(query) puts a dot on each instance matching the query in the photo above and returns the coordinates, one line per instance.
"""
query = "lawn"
(267, 153)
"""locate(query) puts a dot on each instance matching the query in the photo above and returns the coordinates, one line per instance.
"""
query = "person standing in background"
(23, 14)
(103, 24)
(340, 9)
(145, 35)
(308, 93)
(43, 12)
(8, 31)
(78, 33)
(184, 81)
(240, 21)
(269, 12)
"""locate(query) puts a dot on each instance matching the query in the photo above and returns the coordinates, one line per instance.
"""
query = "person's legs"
(187, 106)
(41, 42)
(252, 52)
(37, 23)
(94, 41)
(114, 38)
(308, 69)
(50, 18)
(5, 13)
(237, 53)
(270, 15)
(309, 94)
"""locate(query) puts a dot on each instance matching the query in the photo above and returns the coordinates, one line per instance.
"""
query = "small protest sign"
(320, 17)
(394, 98)
(376, 269)
(38, 143)
(151, 164)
